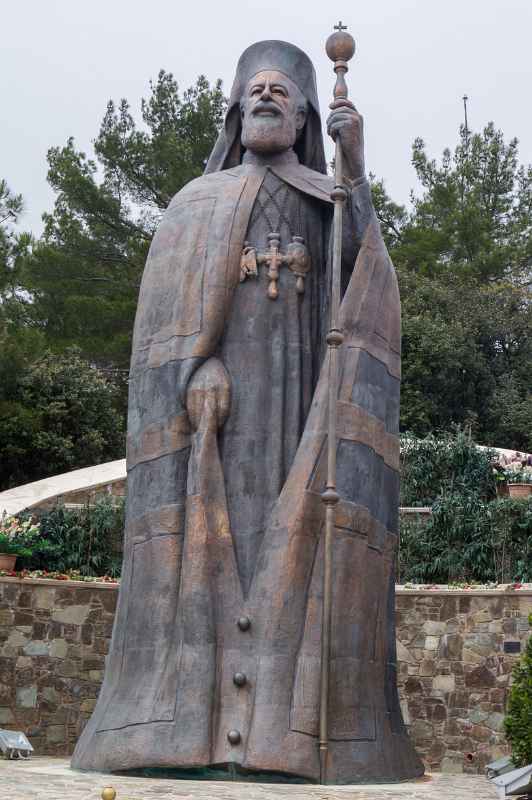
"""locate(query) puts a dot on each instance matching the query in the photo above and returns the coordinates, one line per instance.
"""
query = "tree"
(464, 259)
(473, 219)
(61, 414)
(18, 340)
(518, 721)
(84, 274)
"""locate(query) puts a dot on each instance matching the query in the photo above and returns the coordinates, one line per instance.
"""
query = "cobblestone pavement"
(51, 779)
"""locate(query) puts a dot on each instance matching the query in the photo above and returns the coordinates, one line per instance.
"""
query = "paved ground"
(51, 779)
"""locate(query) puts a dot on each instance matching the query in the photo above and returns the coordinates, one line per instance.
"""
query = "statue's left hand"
(209, 395)
(348, 124)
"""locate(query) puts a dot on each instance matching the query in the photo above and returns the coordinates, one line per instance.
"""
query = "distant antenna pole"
(465, 98)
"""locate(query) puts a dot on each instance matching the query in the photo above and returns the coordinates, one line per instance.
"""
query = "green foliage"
(467, 352)
(470, 536)
(518, 721)
(87, 540)
(464, 260)
(16, 535)
(84, 274)
(468, 540)
(59, 414)
(439, 464)
(473, 217)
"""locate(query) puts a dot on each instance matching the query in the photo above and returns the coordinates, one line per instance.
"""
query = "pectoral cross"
(274, 259)
(296, 258)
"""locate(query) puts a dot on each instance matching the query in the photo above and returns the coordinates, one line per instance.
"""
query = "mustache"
(264, 106)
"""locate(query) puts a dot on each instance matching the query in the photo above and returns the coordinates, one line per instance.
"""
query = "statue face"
(273, 113)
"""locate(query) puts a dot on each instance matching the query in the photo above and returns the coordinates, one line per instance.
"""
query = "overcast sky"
(61, 61)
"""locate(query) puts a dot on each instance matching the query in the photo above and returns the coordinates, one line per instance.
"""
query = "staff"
(340, 47)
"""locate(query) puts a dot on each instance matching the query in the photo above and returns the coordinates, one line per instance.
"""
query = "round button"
(244, 623)
(239, 679)
(234, 737)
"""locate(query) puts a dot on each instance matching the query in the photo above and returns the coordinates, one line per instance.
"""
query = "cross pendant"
(296, 259)
(274, 259)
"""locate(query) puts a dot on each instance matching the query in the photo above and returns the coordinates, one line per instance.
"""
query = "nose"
(266, 93)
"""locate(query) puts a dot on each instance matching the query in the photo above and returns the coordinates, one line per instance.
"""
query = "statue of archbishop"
(215, 655)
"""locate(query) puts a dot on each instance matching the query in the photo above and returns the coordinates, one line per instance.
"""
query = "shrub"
(61, 414)
(444, 463)
(518, 722)
(468, 539)
(85, 539)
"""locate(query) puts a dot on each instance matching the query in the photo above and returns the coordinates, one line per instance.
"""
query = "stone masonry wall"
(454, 672)
(54, 637)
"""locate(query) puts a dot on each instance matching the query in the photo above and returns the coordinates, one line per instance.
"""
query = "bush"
(518, 722)
(88, 540)
(444, 463)
(61, 414)
(467, 539)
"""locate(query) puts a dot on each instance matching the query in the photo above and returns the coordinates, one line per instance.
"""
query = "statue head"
(273, 112)
(273, 106)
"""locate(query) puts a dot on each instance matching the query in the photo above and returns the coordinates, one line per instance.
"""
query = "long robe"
(169, 697)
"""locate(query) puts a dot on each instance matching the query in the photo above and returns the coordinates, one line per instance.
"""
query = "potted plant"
(519, 483)
(15, 540)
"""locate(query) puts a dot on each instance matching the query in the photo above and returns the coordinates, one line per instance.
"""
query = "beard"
(268, 134)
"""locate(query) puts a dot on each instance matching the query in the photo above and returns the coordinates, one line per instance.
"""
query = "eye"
(257, 90)
(279, 90)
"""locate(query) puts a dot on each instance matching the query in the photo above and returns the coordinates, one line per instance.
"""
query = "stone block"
(6, 716)
(43, 597)
(495, 721)
(26, 696)
(451, 646)
(413, 685)
(453, 764)
(427, 668)
(421, 730)
(71, 615)
(55, 734)
(17, 639)
(443, 683)
(432, 628)
(472, 657)
(6, 616)
(23, 618)
(25, 599)
(67, 669)
(477, 716)
(37, 648)
(480, 678)
(58, 648)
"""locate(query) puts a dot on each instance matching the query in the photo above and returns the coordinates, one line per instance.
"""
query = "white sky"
(61, 61)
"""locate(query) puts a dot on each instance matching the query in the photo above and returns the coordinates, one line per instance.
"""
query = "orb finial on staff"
(340, 47)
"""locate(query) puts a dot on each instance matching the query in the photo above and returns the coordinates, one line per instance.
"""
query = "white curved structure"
(29, 495)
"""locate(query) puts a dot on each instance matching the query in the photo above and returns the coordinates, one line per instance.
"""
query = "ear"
(301, 118)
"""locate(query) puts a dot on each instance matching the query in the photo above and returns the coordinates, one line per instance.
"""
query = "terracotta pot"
(520, 491)
(7, 562)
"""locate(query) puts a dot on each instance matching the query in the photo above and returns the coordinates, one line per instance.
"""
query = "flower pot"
(520, 491)
(7, 562)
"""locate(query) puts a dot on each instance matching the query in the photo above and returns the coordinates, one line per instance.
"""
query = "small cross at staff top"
(340, 27)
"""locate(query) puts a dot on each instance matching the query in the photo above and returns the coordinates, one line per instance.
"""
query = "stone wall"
(54, 636)
(453, 669)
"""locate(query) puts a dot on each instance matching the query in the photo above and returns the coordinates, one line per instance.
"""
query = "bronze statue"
(216, 656)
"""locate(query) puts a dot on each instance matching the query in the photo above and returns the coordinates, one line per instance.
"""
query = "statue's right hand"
(209, 395)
